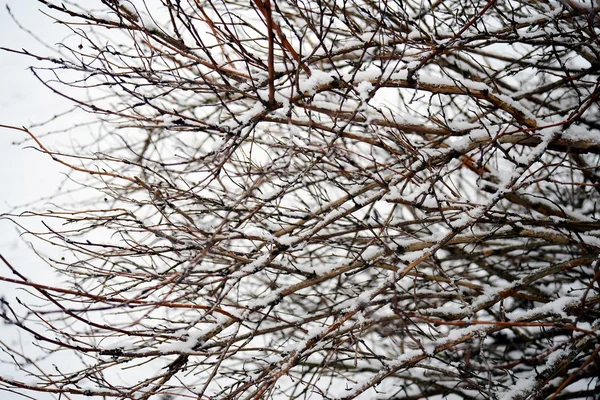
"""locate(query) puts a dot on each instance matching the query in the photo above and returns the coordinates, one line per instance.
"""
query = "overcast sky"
(26, 175)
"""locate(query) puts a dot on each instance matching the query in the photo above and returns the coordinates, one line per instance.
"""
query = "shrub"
(324, 199)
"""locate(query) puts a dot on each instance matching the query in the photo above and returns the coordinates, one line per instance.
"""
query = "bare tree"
(322, 199)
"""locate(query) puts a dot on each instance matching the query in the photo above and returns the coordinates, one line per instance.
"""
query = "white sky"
(26, 175)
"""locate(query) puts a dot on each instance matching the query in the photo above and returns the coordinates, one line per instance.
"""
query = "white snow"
(264, 300)
(521, 388)
(578, 133)
(317, 78)
(556, 307)
(371, 253)
(364, 88)
(555, 357)
(254, 231)
(193, 338)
